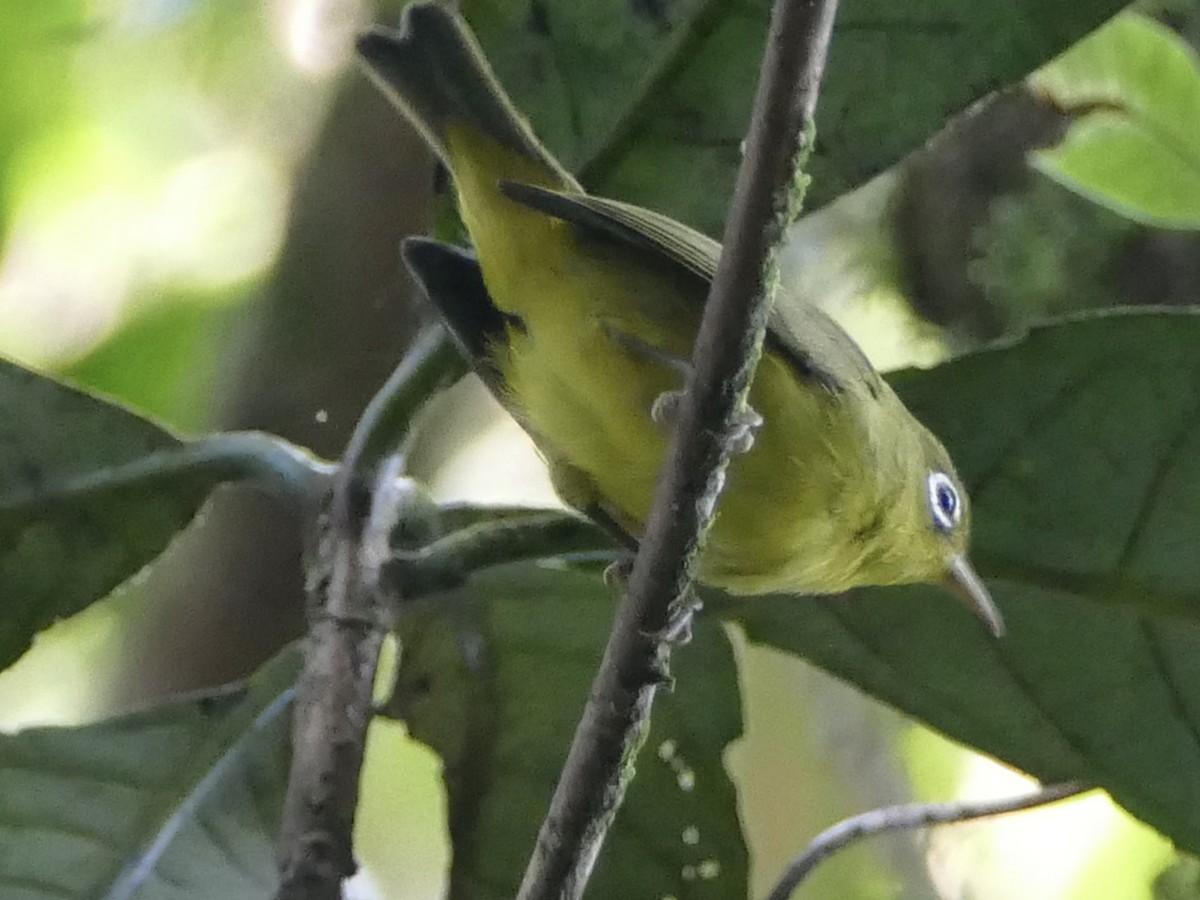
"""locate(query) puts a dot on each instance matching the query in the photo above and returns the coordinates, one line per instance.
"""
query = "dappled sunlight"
(209, 222)
(319, 34)
(402, 820)
(1080, 848)
(889, 332)
(218, 219)
(499, 466)
(169, 170)
(58, 680)
(1033, 855)
(479, 453)
(50, 311)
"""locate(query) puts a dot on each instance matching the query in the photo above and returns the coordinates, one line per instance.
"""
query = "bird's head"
(927, 526)
(939, 531)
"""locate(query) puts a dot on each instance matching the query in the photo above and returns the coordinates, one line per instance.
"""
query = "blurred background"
(200, 207)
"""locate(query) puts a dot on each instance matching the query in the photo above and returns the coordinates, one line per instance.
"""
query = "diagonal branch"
(766, 199)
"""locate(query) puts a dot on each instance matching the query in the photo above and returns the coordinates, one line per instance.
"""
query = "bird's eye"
(944, 504)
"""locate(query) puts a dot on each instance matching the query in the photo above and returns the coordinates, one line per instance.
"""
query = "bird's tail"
(434, 71)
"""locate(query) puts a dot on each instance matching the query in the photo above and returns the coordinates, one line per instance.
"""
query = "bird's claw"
(742, 430)
(665, 408)
(682, 615)
(616, 574)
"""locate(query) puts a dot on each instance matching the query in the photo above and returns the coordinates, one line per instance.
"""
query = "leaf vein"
(966, 711)
(1161, 470)
(1162, 663)
(1042, 417)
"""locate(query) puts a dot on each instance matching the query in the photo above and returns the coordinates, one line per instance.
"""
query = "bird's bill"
(969, 588)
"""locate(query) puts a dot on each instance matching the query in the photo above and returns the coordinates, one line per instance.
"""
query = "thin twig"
(266, 461)
(616, 719)
(447, 561)
(909, 816)
(334, 702)
(431, 362)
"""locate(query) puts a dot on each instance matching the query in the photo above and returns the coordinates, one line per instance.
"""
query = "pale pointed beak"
(969, 588)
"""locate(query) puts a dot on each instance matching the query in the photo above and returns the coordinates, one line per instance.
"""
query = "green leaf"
(90, 493)
(1116, 162)
(1081, 446)
(649, 100)
(497, 690)
(1135, 146)
(181, 801)
(164, 362)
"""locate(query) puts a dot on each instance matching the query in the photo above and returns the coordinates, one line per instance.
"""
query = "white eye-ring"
(944, 504)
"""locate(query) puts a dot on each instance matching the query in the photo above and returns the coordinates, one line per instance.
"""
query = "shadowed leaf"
(1135, 146)
(90, 493)
(496, 688)
(181, 801)
(1081, 444)
(651, 101)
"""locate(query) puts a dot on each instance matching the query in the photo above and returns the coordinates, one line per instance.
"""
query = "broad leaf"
(497, 689)
(1135, 146)
(181, 801)
(651, 101)
(90, 493)
(163, 362)
(1081, 446)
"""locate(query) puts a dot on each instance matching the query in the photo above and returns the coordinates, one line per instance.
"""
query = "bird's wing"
(644, 228)
(809, 340)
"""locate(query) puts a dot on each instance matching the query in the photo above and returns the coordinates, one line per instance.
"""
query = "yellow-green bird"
(580, 314)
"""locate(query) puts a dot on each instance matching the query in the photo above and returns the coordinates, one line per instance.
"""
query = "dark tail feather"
(451, 279)
(433, 70)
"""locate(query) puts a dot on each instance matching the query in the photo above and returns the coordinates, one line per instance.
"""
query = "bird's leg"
(746, 422)
(648, 352)
(678, 629)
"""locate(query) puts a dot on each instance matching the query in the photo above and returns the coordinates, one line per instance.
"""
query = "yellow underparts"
(786, 519)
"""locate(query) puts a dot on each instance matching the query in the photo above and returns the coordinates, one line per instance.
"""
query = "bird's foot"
(682, 615)
(616, 574)
(742, 430)
(664, 410)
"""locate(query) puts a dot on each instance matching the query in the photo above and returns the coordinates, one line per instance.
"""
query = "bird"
(579, 313)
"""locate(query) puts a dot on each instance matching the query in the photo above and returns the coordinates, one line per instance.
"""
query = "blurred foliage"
(1047, 251)
(36, 52)
(1180, 881)
(1001, 244)
(182, 341)
(1133, 89)
(178, 219)
(496, 690)
(148, 153)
